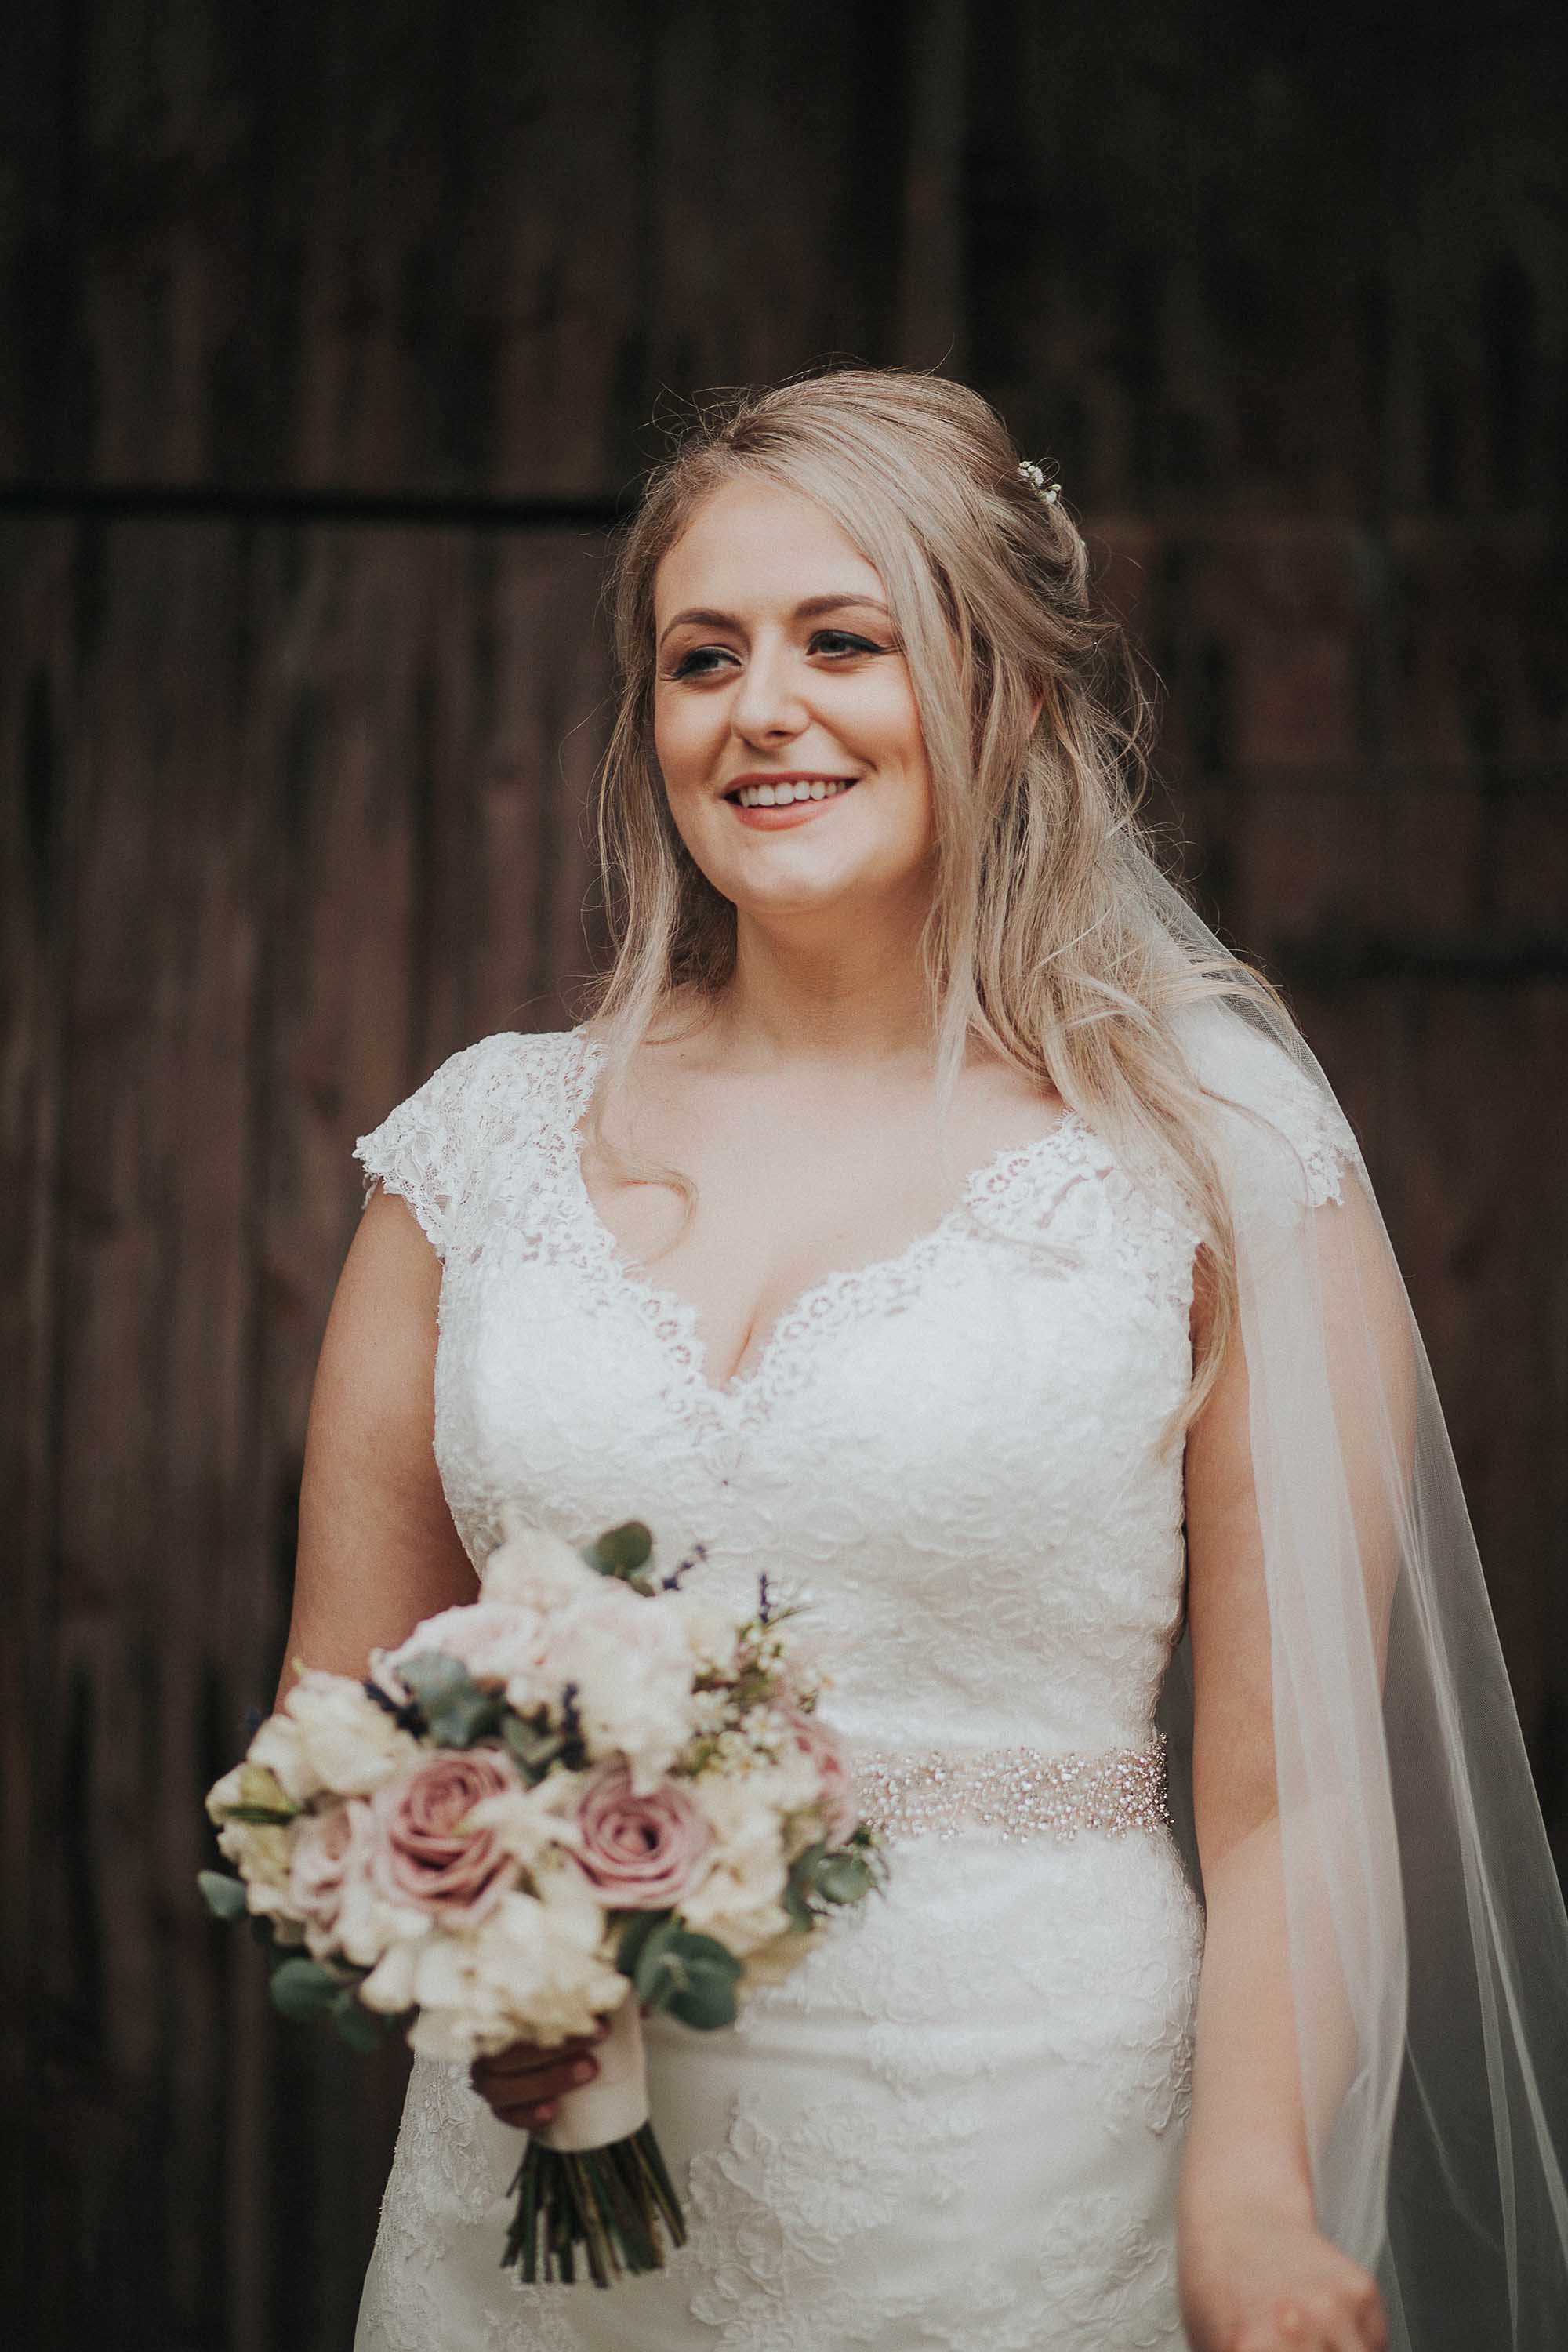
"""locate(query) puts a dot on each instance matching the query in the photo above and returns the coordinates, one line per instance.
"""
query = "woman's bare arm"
(1257, 2275)
(377, 1547)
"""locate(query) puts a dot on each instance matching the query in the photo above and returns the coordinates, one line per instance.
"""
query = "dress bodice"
(952, 1453)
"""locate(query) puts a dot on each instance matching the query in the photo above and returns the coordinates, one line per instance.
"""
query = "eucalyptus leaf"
(533, 1752)
(458, 1722)
(456, 1711)
(844, 1877)
(651, 1975)
(621, 1550)
(360, 2027)
(304, 1989)
(708, 1999)
(803, 1870)
(692, 1978)
(799, 1909)
(634, 1936)
(431, 1675)
(225, 1895)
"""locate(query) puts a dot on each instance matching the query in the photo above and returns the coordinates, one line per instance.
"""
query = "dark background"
(332, 338)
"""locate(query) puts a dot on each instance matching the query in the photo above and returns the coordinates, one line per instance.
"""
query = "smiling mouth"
(787, 792)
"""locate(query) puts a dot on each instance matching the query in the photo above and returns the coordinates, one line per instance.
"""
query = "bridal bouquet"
(588, 1793)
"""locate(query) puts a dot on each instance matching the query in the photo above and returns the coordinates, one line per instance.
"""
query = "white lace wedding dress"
(959, 2123)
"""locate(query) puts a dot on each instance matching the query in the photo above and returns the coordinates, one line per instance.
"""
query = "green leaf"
(531, 1751)
(634, 1936)
(456, 1710)
(799, 1909)
(621, 1550)
(360, 2028)
(844, 1877)
(806, 1864)
(692, 1978)
(273, 1814)
(225, 1895)
(304, 1989)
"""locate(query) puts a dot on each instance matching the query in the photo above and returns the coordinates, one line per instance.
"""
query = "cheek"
(683, 733)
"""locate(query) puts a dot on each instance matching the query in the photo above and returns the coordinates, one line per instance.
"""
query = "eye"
(840, 644)
(699, 662)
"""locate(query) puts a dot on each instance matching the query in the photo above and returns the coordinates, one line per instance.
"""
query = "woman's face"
(778, 665)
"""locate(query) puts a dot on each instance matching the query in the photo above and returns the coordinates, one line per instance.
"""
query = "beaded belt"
(1021, 1791)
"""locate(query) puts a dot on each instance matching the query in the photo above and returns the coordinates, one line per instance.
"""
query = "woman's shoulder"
(431, 1147)
(1285, 1141)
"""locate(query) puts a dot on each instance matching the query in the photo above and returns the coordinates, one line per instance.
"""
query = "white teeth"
(816, 788)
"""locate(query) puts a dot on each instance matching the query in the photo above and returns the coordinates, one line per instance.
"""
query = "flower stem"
(613, 2205)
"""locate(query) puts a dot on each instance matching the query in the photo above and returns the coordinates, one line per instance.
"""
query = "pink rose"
(838, 1796)
(422, 1857)
(641, 1853)
(318, 1860)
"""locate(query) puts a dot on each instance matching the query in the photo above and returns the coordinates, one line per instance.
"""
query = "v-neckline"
(675, 1319)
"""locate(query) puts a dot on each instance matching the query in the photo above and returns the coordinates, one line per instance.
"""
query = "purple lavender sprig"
(694, 1558)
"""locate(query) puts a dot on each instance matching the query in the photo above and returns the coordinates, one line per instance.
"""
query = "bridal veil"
(1427, 1939)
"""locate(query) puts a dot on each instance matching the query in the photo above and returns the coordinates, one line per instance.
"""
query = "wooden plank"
(35, 726)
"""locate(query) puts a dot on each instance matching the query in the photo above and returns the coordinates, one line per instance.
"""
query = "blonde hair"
(1043, 939)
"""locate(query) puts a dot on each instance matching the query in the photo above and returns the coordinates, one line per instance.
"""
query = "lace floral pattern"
(960, 2123)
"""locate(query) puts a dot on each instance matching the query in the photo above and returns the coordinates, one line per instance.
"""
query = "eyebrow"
(704, 616)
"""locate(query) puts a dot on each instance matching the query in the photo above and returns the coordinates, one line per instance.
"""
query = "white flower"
(259, 1851)
(738, 1903)
(330, 1736)
(529, 1822)
(537, 1970)
(499, 1641)
(629, 1661)
(531, 1566)
(371, 1923)
(710, 1629)
(740, 1900)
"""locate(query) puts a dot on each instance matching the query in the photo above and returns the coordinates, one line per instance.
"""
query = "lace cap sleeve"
(1286, 1139)
(426, 1149)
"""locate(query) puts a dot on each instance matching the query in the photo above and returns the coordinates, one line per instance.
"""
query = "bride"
(932, 1213)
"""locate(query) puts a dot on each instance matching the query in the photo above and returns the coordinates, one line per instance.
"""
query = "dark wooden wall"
(332, 337)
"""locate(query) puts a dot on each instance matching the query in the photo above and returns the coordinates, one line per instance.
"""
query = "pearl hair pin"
(1046, 492)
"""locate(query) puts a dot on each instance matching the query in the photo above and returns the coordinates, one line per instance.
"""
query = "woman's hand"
(525, 2085)
(1255, 2279)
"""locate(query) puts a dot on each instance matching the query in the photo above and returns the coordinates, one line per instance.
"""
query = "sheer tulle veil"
(1427, 1937)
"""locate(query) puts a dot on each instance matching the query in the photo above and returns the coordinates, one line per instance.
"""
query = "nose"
(768, 707)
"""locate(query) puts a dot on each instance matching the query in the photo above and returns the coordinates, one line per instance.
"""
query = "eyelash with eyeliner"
(856, 645)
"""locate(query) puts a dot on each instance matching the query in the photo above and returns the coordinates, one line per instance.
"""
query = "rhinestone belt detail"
(1021, 1792)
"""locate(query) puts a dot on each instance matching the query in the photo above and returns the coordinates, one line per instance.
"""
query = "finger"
(1329, 2323)
(548, 2081)
(548, 2070)
(1369, 2317)
(523, 2057)
(1358, 2321)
